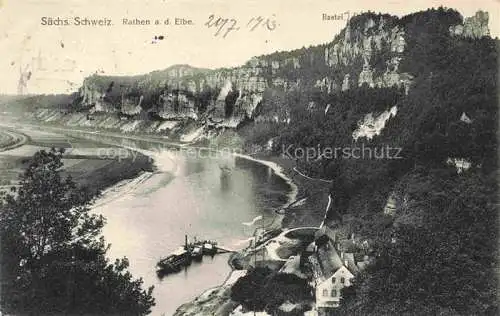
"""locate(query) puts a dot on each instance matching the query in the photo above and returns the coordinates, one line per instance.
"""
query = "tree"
(264, 289)
(53, 260)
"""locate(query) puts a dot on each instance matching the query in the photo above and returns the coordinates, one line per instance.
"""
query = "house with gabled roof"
(331, 272)
(328, 291)
(332, 275)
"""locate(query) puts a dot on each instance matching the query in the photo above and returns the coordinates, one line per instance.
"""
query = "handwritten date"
(224, 26)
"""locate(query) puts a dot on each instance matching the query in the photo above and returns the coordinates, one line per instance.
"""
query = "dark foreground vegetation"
(53, 256)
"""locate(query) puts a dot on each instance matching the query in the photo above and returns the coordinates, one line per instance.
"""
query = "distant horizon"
(56, 59)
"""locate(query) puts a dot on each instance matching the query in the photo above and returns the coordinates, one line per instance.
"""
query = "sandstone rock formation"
(362, 44)
(371, 125)
(227, 97)
(473, 27)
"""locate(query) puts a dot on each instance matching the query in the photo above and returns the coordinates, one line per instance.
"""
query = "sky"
(60, 57)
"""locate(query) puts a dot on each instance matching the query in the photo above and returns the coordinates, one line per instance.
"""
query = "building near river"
(330, 275)
(330, 272)
(328, 291)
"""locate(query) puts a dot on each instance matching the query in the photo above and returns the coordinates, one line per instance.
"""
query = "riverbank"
(101, 176)
(312, 195)
(82, 159)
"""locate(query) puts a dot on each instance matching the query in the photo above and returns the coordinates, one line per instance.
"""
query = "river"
(148, 217)
(190, 195)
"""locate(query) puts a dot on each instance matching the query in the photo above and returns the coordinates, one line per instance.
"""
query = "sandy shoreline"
(117, 190)
(278, 170)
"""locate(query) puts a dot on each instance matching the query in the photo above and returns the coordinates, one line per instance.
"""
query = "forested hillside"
(436, 253)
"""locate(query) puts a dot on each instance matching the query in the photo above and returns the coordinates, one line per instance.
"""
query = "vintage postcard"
(253, 157)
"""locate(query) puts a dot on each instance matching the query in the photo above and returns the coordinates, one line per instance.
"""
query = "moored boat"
(183, 256)
(175, 261)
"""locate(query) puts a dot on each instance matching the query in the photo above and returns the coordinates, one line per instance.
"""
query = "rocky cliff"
(368, 51)
(365, 40)
(473, 27)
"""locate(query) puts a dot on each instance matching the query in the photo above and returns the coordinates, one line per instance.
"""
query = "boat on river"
(174, 262)
(183, 256)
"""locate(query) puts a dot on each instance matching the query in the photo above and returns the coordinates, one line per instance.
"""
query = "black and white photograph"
(249, 158)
